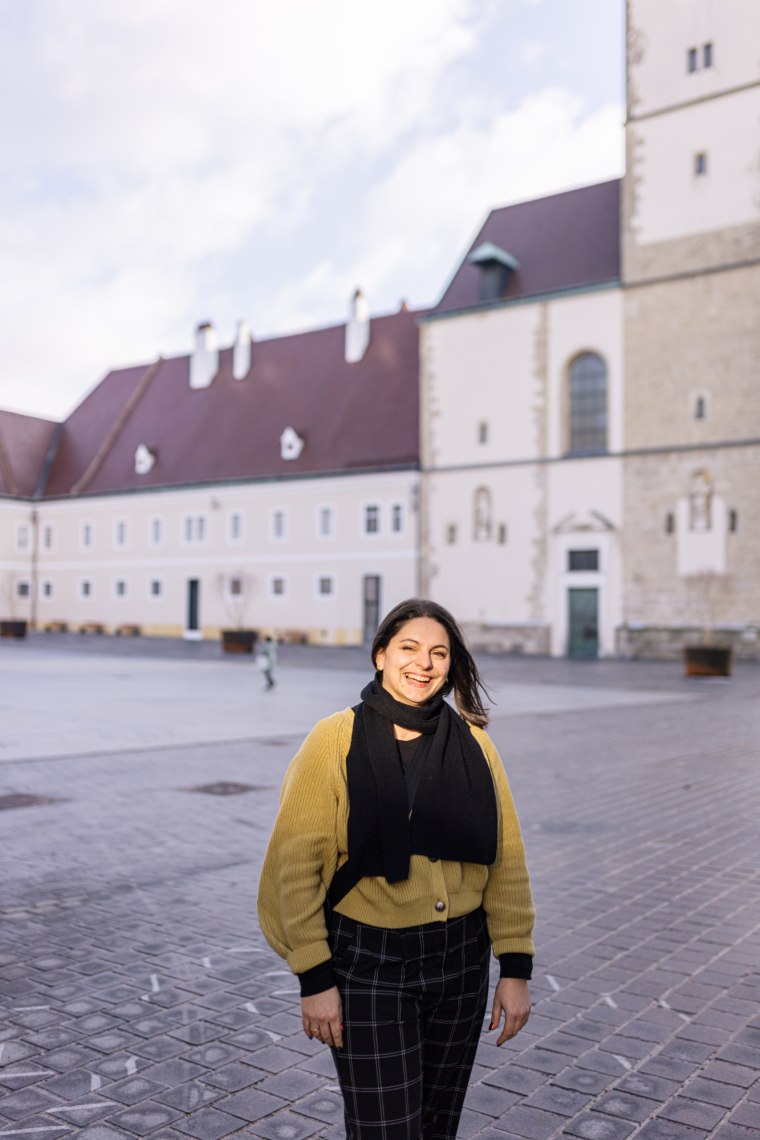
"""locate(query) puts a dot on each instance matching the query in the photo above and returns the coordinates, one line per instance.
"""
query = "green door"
(583, 623)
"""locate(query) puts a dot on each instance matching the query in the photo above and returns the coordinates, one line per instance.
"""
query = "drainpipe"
(34, 575)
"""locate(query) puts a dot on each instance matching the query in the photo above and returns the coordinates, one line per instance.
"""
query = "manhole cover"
(22, 799)
(224, 788)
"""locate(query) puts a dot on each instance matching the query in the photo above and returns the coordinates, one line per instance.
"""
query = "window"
(235, 587)
(47, 536)
(194, 528)
(587, 390)
(120, 588)
(691, 59)
(700, 408)
(483, 431)
(278, 587)
(120, 533)
(733, 521)
(325, 522)
(501, 534)
(23, 589)
(397, 518)
(22, 536)
(451, 533)
(583, 559)
(86, 534)
(700, 163)
(278, 521)
(85, 588)
(707, 55)
(372, 519)
(156, 588)
(482, 515)
(670, 523)
(47, 589)
(156, 532)
(326, 586)
(236, 526)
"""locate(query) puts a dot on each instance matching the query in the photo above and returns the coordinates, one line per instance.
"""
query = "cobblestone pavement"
(138, 998)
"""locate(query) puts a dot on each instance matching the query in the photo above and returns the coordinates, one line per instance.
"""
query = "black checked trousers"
(413, 1005)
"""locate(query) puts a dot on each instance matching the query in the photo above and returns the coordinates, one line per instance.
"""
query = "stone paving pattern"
(138, 998)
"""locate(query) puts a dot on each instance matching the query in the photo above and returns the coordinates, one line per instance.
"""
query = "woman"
(387, 913)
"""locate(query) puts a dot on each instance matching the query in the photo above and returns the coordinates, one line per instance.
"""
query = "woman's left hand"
(512, 999)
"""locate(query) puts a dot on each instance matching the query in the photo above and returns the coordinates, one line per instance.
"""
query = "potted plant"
(236, 591)
(707, 658)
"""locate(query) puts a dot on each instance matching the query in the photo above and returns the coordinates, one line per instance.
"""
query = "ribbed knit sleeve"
(302, 855)
(507, 898)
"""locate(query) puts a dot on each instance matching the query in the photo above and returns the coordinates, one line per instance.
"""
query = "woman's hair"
(463, 677)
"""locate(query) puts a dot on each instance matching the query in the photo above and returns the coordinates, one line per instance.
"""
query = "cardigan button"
(433, 858)
(440, 905)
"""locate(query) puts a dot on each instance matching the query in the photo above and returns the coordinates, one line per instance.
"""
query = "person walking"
(395, 868)
(269, 658)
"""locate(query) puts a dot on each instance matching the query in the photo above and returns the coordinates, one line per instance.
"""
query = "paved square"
(138, 998)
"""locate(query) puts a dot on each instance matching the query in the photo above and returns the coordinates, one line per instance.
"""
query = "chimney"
(241, 351)
(357, 328)
(204, 363)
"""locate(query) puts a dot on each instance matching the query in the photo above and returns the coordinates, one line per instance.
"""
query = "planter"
(13, 628)
(708, 660)
(238, 640)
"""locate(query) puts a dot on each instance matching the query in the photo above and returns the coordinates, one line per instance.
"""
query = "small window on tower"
(707, 55)
(700, 408)
(451, 533)
(691, 59)
(700, 163)
(501, 533)
(483, 431)
(733, 521)
(670, 523)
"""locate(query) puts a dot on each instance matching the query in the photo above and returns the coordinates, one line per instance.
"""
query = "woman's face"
(415, 662)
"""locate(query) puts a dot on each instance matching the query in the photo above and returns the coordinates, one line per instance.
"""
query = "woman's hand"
(512, 999)
(322, 1017)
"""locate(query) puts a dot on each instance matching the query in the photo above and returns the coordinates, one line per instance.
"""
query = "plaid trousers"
(413, 1005)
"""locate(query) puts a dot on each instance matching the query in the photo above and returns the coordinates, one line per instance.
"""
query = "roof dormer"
(496, 267)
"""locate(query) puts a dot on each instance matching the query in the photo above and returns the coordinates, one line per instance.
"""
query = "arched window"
(587, 405)
(482, 515)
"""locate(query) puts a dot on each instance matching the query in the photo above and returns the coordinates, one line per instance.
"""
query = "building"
(271, 484)
(589, 384)
(565, 449)
(691, 273)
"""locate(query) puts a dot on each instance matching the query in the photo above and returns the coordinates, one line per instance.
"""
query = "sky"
(167, 162)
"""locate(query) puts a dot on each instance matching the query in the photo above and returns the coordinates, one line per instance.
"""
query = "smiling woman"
(388, 912)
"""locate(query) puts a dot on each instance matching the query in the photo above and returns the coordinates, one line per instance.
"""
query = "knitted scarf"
(454, 814)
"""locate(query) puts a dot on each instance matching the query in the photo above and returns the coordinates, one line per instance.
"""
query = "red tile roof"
(352, 416)
(24, 444)
(565, 241)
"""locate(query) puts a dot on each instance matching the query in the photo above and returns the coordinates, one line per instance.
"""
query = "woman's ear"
(379, 660)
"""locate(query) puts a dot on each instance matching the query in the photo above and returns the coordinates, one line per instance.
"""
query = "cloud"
(168, 161)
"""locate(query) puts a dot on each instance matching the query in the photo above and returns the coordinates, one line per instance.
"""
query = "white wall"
(664, 30)
(674, 202)
(300, 557)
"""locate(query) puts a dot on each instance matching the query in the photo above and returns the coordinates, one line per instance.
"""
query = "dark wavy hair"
(463, 678)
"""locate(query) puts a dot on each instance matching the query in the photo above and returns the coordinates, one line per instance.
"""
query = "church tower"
(691, 273)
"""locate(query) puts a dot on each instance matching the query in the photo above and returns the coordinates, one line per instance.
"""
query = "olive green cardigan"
(309, 843)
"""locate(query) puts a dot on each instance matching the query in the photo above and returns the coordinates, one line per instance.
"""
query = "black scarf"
(454, 814)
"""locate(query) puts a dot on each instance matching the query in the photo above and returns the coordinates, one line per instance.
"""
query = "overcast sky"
(164, 162)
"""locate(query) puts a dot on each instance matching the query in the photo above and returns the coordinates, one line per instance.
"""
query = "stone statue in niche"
(700, 501)
(482, 514)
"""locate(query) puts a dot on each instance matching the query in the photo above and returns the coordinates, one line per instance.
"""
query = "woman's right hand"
(322, 1017)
